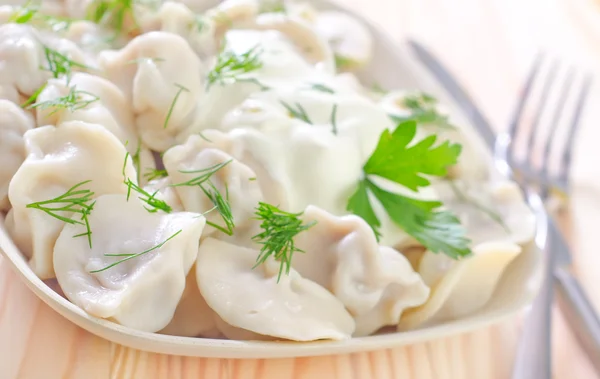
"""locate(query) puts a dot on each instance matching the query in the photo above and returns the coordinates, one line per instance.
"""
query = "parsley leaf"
(398, 159)
(395, 160)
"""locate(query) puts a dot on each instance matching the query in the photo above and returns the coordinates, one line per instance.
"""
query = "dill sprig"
(127, 257)
(423, 109)
(172, 107)
(321, 88)
(112, 13)
(29, 12)
(299, 112)
(154, 173)
(154, 204)
(33, 98)
(222, 205)
(277, 239)
(59, 64)
(334, 128)
(273, 6)
(230, 66)
(24, 13)
(75, 200)
(72, 101)
(204, 175)
(136, 159)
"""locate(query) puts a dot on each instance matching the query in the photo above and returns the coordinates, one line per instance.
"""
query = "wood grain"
(489, 45)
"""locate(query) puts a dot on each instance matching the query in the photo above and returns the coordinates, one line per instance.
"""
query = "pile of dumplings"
(151, 106)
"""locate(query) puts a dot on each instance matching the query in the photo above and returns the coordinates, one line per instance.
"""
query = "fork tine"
(565, 165)
(518, 114)
(546, 89)
(566, 87)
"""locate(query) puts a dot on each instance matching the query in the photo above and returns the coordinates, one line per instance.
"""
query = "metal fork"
(534, 353)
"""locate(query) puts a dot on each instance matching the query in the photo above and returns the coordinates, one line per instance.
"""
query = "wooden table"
(489, 46)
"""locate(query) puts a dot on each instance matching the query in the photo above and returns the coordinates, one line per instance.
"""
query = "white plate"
(395, 67)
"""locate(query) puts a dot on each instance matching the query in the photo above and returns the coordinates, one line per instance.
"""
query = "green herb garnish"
(399, 159)
(230, 67)
(172, 107)
(72, 101)
(423, 109)
(154, 204)
(334, 128)
(33, 98)
(222, 205)
(25, 13)
(30, 12)
(321, 88)
(277, 239)
(75, 200)
(204, 175)
(299, 112)
(59, 64)
(128, 257)
(272, 6)
(112, 13)
(153, 173)
(343, 63)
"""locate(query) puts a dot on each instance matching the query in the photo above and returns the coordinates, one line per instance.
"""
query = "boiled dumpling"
(494, 211)
(14, 122)
(349, 38)
(239, 334)
(193, 317)
(312, 46)
(375, 283)
(161, 75)
(106, 106)
(22, 61)
(164, 190)
(141, 292)
(178, 19)
(460, 288)
(295, 308)
(58, 159)
(233, 180)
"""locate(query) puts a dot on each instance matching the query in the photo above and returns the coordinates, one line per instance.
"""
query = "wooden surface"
(489, 45)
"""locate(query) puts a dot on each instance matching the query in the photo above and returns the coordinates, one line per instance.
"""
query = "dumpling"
(375, 283)
(233, 180)
(14, 122)
(164, 190)
(58, 159)
(22, 61)
(293, 159)
(312, 46)
(105, 104)
(459, 288)
(493, 211)
(295, 308)
(155, 251)
(193, 317)
(349, 38)
(162, 77)
(177, 18)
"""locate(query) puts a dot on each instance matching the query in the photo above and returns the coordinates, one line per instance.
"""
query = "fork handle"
(533, 359)
(579, 313)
